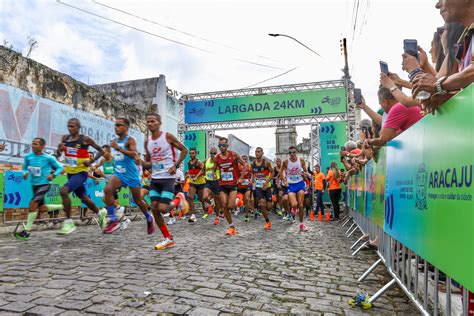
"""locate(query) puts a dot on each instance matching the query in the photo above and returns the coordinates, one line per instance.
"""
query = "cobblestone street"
(207, 273)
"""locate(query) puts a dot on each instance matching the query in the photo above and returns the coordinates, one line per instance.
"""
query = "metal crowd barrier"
(403, 266)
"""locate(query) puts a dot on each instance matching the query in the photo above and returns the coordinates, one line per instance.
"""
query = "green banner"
(1, 192)
(296, 104)
(332, 136)
(198, 141)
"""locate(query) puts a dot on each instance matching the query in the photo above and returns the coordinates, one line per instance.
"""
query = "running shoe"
(285, 218)
(166, 243)
(120, 212)
(192, 219)
(303, 227)
(216, 221)
(206, 215)
(171, 221)
(113, 226)
(124, 224)
(268, 226)
(231, 231)
(183, 204)
(221, 215)
(102, 218)
(24, 235)
(279, 213)
(247, 219)
(236, 211)
(67, 228)
(150, 226)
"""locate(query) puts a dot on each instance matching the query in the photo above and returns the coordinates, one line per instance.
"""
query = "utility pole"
(346, 63)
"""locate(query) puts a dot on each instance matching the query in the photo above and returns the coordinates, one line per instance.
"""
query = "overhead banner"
(198, 141)
(296, 104)
(25, 116)
(332, 136)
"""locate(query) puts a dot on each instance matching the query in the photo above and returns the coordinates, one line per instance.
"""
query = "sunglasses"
(213, 153)
(222, 145)
(118, 125)
(292, 152)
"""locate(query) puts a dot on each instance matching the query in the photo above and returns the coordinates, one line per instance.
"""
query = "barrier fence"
(415, 201)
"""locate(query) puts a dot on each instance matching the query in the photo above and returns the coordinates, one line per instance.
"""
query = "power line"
(162, 37)
(274, 77)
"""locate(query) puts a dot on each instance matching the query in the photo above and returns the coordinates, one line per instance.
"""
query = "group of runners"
(223, 182)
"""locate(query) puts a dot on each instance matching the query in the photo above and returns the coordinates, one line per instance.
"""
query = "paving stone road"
(254, 273)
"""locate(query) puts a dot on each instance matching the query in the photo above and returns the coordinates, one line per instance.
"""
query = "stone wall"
(31, 76)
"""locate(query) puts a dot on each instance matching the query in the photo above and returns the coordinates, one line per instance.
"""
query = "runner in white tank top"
(293, 170)
(161, 159)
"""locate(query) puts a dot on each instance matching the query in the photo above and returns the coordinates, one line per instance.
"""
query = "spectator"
(440, 85)
(319, 186)
(333, 178)
(2, 147)
(399, 118)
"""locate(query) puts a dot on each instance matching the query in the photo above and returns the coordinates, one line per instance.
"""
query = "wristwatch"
(438, 87)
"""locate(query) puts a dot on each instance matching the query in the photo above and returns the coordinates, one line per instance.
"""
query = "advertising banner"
(1, 193)
(332, 136)
(296, 104)
(198, 141)
(18, 192)
(429, 188)
(25, 116)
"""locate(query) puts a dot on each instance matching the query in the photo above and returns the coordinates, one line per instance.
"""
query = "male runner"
(178, 192)
(77, 162)
(294, 169)
(197, 182)
(244, 187)
(212, 188)
(227, 162)
(126, 174)
(276, 185)
(160, 156)
(38, 164)
(261, 176)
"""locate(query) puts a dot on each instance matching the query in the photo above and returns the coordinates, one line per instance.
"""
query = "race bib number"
(245, 182)
(118, 156)
(227, 176)
(295, 178)
(157, 167)
(259, 183)
(34, 171)
(210, 175)
(71, 161)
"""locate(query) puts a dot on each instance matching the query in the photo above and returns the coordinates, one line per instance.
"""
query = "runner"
(160, 156)
(261, 176)
(212, 188)
(308, 195)
(294, 169)
(38, 164)
(75, 147)
(126, 174)
(178, 191)
(245, 186)
(278, 205)
(282, 186)
(197, 182)
(227, 162)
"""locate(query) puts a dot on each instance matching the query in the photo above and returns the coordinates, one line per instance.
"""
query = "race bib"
(71, 161)
(157, 167)
(259, 183)
(118, 156)
(245, 182)
(227, 176)
(295, 178)
(34, 171)
(210, 175)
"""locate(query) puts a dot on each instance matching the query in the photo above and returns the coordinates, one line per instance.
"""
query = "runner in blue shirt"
(38, 164)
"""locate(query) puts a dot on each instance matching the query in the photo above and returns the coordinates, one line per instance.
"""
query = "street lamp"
(276, 35)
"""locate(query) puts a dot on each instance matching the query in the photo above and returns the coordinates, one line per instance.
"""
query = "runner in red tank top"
(245, 186)
(228, 164)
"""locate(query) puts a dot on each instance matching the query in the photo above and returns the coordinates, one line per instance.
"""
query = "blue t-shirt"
(39, 167)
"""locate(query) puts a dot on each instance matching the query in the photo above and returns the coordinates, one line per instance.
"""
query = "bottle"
(125, 224)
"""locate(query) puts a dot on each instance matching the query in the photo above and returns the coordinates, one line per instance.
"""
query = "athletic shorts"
(39, 192)
(296, 187)
(263, 194)
(227, 189)
(213, 186)
(132, 183)
(242, 190)
(283, 189)
(178, 188)
(146, 187)
(198, 187)
(77, 183)
(162, 190)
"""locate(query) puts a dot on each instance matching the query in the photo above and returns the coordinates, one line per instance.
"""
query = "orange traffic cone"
(311, 216)
(320, 216)
(328, 216)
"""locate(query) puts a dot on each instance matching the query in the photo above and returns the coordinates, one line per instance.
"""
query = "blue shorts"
(77, 183)
(128, 182)
(296, 187)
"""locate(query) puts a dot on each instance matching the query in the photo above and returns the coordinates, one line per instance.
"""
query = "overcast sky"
(221, 41)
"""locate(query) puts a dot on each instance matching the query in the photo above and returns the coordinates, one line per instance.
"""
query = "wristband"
(393, 89)
(414, 72)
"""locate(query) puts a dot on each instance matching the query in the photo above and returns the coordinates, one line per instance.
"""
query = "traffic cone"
(328, 216)
(320, 216)
(311, 216)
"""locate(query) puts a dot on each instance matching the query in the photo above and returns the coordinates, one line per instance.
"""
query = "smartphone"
(357, 96)
(410, 46)
(383, 67)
